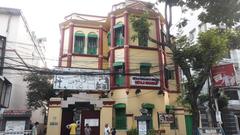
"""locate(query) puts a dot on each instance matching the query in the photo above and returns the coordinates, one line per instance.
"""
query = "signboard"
(142, 128)
(87, 80)
(15, 126)
(149, 81)
(164, 118)
(223, 75)
(210, 131)
(92, 122)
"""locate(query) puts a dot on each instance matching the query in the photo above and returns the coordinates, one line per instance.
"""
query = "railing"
(25, 132)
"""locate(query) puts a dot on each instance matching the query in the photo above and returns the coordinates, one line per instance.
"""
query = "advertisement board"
(15, 126)
(85, 79)
(164, 118)
(149, 81)
(223, 75)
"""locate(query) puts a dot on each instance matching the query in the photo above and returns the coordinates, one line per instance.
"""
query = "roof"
(17, 113)
(12, 11)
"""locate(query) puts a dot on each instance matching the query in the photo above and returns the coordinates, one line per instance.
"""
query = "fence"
(25, 132)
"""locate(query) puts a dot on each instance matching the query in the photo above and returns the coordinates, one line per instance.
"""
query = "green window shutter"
(119, 77)
(119, 105)
(150, 108)
(119, 34)
(109, 38)
(145, 68)
(79, 43)
(92, 45)
(121, 120)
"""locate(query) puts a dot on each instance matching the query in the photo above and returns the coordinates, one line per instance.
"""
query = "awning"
(118, 64)
(119, 105)
(118, 26)
(92, 35)
(148, 106)
(146, 64)
(79, 34)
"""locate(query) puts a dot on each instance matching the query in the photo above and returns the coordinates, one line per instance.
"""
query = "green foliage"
(203, 98)
(140, 26)
(151, 132)
(40, 90)
(222, 102)
(132, 131)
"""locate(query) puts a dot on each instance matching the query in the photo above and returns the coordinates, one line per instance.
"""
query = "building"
(20, 52)
(142, 75)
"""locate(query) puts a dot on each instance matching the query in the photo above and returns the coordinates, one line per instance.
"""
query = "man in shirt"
(106, 130)
(73, 127)
(87, 130)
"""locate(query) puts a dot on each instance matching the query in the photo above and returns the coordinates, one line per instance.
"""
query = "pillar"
(54, 117)
(70, 45)
(100, 49)
(106, 115)
(126, 50)
(61, 47)
(112, 55)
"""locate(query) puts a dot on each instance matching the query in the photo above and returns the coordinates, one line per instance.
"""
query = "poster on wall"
(164, 118)
(15, 126)
(92, 122)
(142, 128)
(149, 81)
(223, 75)
(86, 80)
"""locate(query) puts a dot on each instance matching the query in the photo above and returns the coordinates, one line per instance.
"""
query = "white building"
(22, 51)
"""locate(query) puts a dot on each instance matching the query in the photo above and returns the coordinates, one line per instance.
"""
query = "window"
(145, 68)
(120, 116)
(109, 38)
(119, 70)
(119, 34)
(192, 34)
(143, 39)
(232, 94)
(92, 44)
(169, 74)
(79, 43)
(150, 108)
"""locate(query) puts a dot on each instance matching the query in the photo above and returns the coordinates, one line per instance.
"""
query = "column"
(106, 115)
(70, 45)
(112, 50)
(126, 50)
(61, 46)
(100, 48)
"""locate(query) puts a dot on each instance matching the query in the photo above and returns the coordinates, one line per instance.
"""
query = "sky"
(44, 17)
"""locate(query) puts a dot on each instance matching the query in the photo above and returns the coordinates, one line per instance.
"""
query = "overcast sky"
(44, 16)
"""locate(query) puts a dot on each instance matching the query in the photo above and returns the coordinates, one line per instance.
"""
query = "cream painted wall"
(105, 118)
(119, 20)
(138, 56)
(86, 31)
(66, 41)
(119, 55)
(64, 62)
(84, 62)
(152, 34)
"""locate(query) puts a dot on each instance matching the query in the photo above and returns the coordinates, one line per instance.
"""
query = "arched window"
(92, 43)
(79, 42)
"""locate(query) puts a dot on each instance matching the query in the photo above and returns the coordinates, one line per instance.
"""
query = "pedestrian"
(73, 128)
(113, 131)
(87, 130)
(35, 128)
(106, 130)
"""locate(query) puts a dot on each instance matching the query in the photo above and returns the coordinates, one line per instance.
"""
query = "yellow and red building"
(142, 74)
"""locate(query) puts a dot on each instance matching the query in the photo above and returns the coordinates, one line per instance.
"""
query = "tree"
(40, 90)
(211, 47)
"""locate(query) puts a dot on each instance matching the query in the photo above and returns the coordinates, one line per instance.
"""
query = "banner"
(223, 75)
(93, 80)
(149, 81)
(164, 118)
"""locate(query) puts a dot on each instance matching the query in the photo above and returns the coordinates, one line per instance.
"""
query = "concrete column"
(106, 115)
(112, 54)
(126, 50)
(61, 46)
(70, 45)
(54, 117)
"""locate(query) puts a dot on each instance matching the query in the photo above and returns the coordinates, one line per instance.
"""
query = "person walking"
(113, 131)
(73, 127)
(87, 130)
(35, 128)
(106, 130)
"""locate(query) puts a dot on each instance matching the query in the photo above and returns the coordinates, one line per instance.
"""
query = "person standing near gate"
(35, 128)
(73, 127)
(87, 130)
(106, 130)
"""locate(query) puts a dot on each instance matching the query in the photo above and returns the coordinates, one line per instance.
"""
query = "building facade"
(20, 52)
(142, 74)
